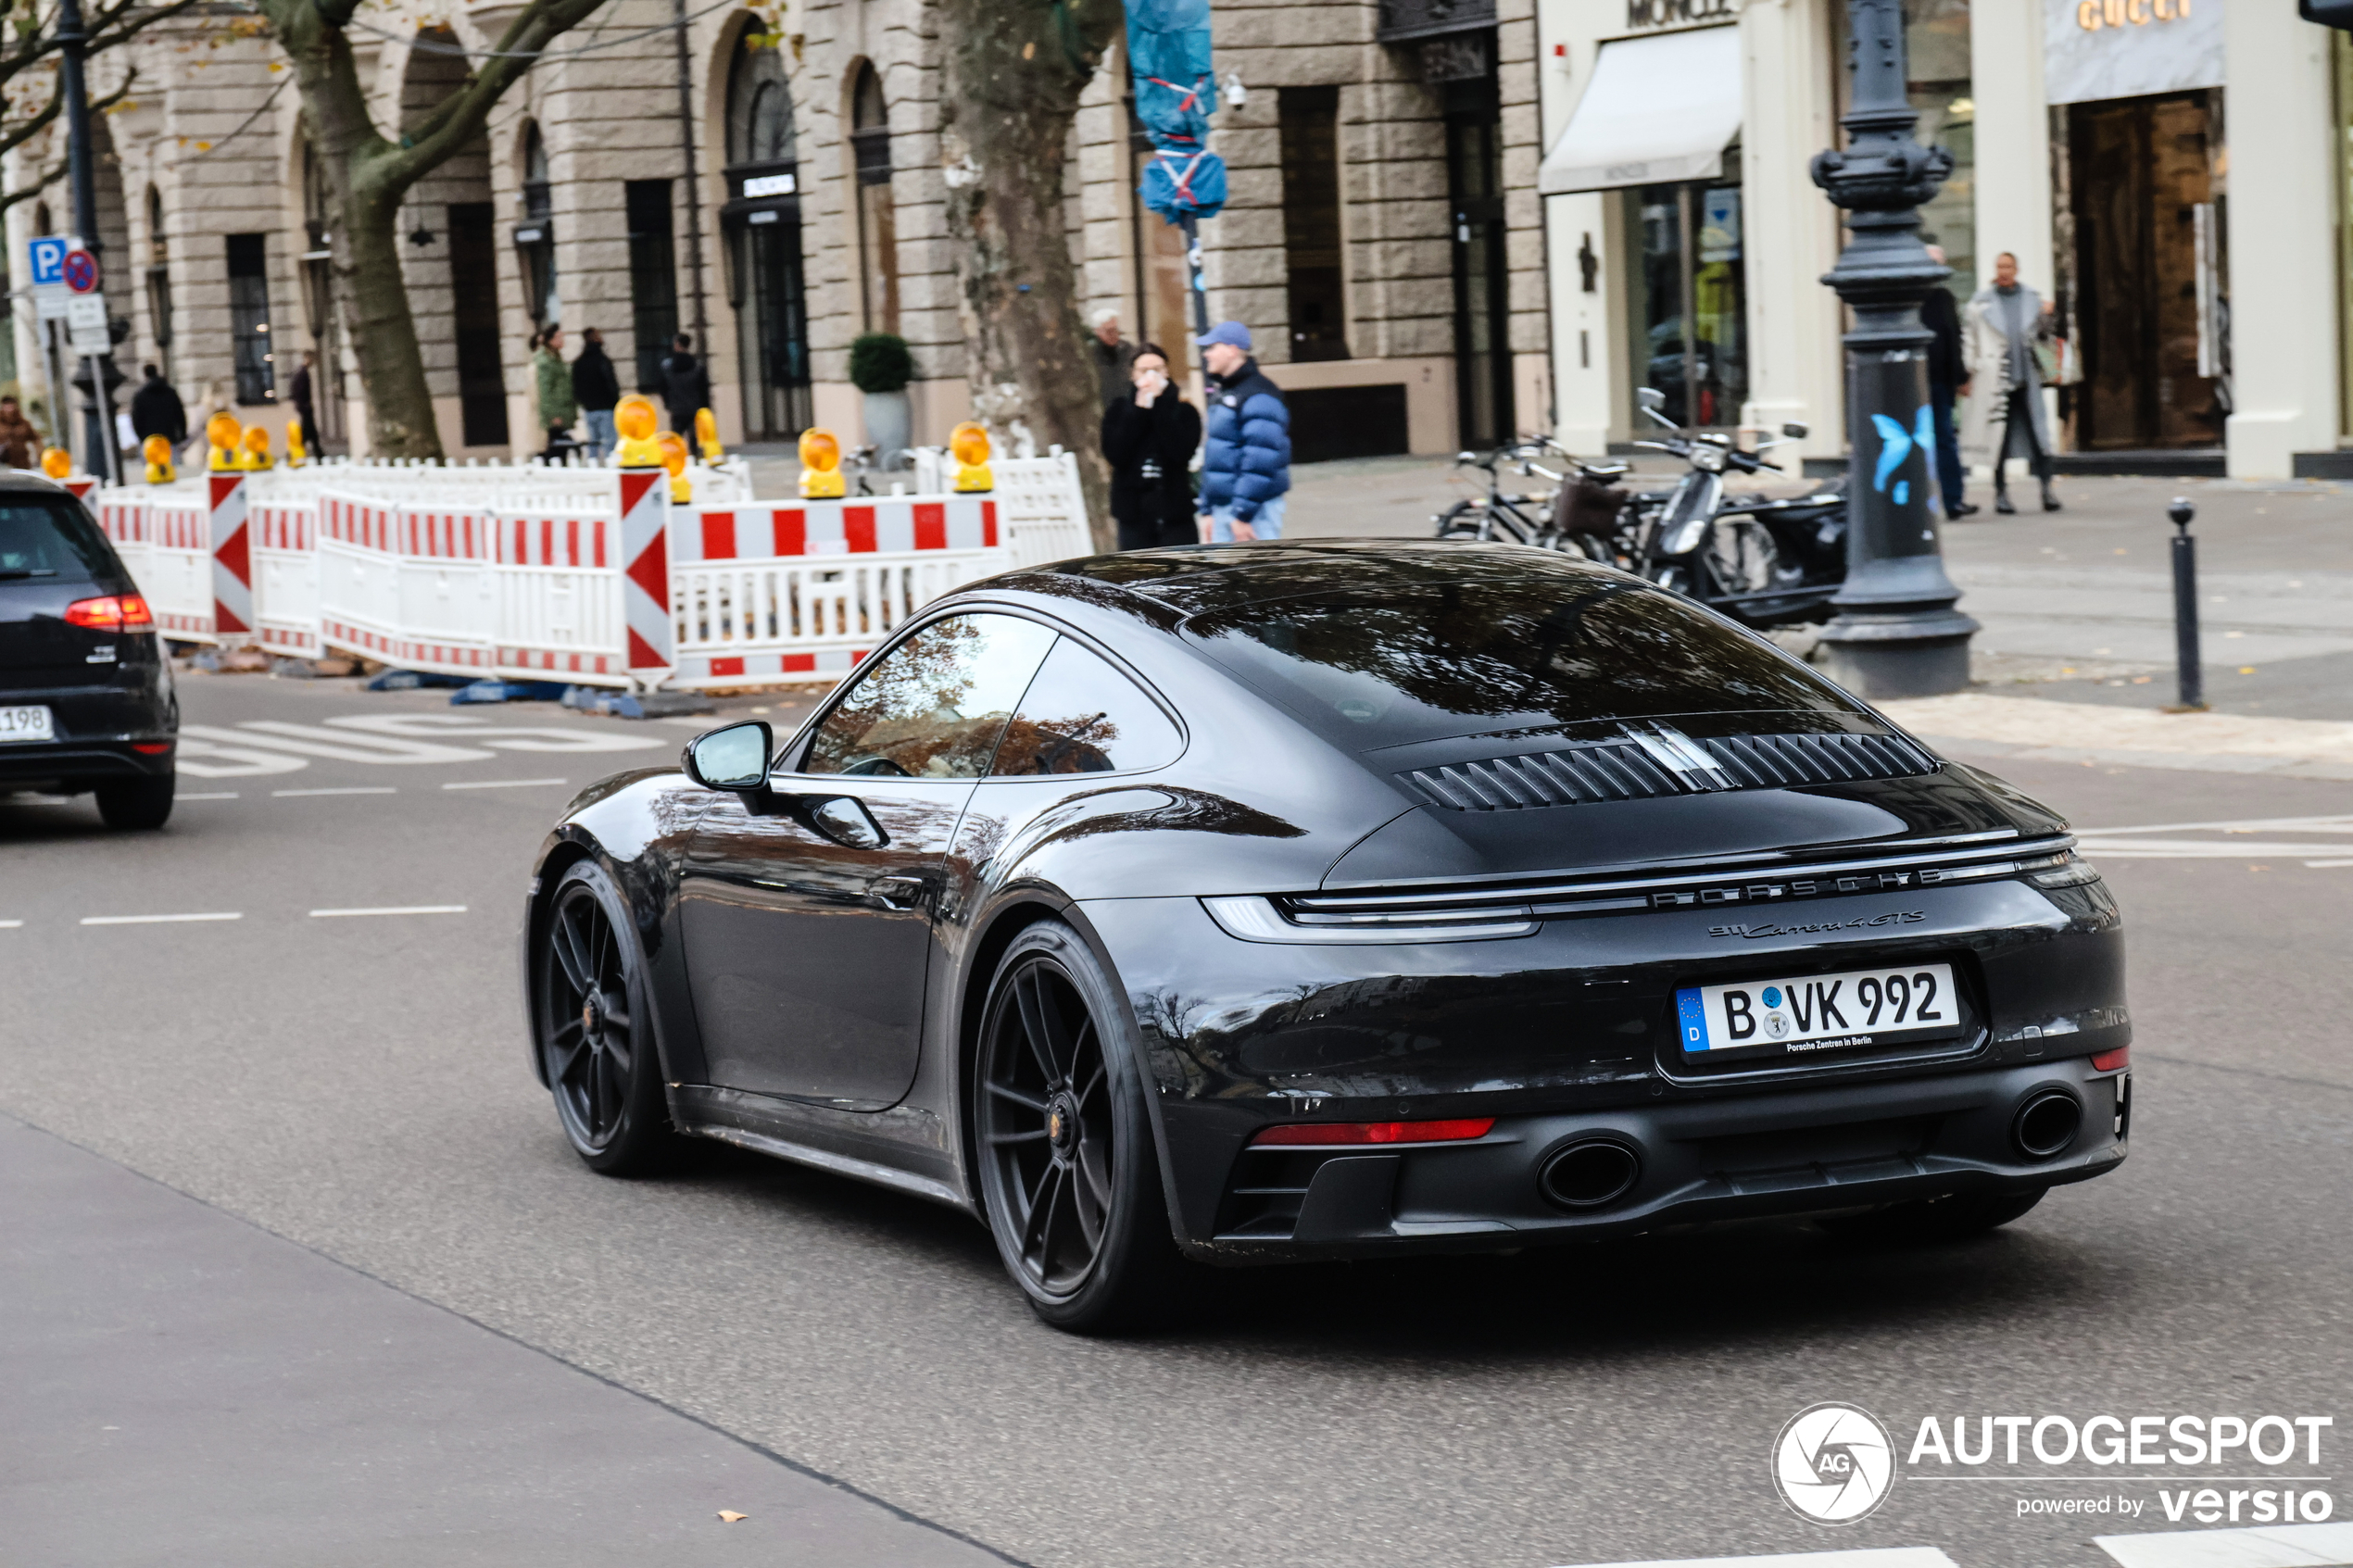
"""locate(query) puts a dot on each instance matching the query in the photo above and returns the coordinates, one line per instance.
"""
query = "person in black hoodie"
(686, 386)
(596, 386)
(1149, 437)
(156, 410)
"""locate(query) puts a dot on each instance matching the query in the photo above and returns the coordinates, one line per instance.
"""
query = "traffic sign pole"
(100, 454)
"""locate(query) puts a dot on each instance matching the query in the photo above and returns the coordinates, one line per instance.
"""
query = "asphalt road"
(357, 1085)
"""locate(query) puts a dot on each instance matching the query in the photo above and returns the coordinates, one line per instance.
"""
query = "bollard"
(2185, 607)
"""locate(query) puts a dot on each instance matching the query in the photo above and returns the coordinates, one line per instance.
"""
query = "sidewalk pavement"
(185, 1390)
(1989, 724)
(2076, 606)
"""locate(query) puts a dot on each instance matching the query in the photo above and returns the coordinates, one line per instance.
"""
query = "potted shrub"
(881, 366)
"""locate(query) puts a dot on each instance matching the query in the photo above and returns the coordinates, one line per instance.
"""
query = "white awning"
(1659, 108)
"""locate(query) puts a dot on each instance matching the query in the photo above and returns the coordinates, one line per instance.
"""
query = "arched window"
(759, 123)
(877, 222)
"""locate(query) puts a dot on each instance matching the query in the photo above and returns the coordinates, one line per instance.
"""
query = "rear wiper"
(9, 573)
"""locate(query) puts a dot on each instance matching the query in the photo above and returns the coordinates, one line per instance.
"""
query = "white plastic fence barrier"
(527, 572)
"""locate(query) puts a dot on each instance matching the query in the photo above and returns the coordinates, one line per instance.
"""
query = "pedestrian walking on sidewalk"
(1245, 467)
(2006, 326)
(596, 385)
(557, 407)
(1942, 318)
(1148, 438)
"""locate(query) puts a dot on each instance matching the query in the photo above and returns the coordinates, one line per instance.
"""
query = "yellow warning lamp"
(673, 458)
(220, 432)
(707, 436)
(294, 454)
(255, 454)
(969, 443)
(57, 464)
(156, 449)
(635, 418)
(821, 466)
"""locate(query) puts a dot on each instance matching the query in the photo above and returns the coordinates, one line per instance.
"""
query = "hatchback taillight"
(116, 612)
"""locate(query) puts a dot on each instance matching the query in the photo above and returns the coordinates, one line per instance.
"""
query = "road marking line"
(501, 784)
(152, 920)
(1874, 1557)
(10, 924)
(2327, 865)
(211, 794)
(364, 789)
(401, 909)
(2278, 1546)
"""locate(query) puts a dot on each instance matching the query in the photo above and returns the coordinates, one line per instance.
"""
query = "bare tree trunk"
(1008, 99)
(367, 177)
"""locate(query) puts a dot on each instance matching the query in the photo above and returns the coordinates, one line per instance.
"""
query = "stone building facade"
(774, 189)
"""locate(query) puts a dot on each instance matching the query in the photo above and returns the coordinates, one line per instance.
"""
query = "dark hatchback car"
(1299, 900)
(86, 699)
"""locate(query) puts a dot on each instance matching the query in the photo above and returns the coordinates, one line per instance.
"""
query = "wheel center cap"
(1062, 1123)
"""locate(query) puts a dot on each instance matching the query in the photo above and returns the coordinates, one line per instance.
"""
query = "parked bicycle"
(1583, 514)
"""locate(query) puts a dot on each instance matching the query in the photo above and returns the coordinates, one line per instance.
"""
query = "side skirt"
(824, 1138)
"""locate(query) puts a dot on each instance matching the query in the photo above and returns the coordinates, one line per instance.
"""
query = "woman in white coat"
(1999, 332)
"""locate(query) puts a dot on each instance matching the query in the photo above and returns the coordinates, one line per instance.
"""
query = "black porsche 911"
(1290, 900)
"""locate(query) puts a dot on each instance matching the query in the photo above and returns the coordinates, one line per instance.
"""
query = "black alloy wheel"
(1069, 1173)
(595, 1038)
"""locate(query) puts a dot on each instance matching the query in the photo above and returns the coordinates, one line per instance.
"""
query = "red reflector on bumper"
(1376, 1132)
(151, 747)
(2109, 1062)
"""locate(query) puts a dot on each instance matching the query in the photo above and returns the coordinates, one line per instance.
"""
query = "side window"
(934, 705)
(1082, 716)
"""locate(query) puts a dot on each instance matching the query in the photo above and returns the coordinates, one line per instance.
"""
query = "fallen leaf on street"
(733, 1518)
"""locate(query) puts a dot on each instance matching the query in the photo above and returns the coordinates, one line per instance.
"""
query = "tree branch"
(454, 121)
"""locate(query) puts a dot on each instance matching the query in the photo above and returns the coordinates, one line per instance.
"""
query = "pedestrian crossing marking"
(1870, 1557)
(2272, 1545)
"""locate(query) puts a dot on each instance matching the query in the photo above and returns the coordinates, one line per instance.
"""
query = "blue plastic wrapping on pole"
(1169, 61)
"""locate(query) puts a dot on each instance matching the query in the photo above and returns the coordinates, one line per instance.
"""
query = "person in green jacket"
(557, 408)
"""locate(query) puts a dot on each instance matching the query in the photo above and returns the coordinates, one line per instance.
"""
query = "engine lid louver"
(1656, 760)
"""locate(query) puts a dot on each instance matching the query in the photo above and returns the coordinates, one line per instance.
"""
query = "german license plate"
(1819, 1012)
(26, 723)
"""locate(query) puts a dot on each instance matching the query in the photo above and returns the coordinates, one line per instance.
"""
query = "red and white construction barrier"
(591, 576)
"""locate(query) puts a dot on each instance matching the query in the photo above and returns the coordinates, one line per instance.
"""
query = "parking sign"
(48, 256)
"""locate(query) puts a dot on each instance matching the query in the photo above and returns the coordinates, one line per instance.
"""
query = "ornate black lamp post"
(1897, 634)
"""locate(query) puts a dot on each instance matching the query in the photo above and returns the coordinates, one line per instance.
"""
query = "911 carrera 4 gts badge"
(1767, 928)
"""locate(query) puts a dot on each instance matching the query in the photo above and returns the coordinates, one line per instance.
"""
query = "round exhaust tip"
(2047, 1124)
(1588, 1174)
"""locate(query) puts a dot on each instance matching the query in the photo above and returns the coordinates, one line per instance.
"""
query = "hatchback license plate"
(26, 723)
(1821, 1012)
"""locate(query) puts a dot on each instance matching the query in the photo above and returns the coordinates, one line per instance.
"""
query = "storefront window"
(1689, 299)
(1936, 65)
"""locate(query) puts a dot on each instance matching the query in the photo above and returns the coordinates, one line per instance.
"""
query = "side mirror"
(844, 819)
(1651, 398)
(1797, 430)
(733, 757)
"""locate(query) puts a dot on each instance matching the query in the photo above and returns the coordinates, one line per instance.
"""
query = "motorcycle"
(1763, 561)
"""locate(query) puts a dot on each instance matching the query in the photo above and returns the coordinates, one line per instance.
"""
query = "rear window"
(1390, 665)
(51, 539)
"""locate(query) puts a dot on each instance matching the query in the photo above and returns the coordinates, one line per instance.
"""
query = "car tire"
(594, 1023)
(1953, 1217)
(1069, 1168)
(135, 805)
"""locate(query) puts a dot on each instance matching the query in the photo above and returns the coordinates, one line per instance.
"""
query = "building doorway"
(2150, 312)
(1482, 299)
(762, 222)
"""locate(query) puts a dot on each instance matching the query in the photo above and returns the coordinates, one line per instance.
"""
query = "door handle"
(898, 892)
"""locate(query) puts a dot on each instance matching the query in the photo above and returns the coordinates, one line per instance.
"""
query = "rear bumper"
(78, 764)
(1797, 1151)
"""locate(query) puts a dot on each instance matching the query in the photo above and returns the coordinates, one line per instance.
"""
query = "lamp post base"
(1883, 657)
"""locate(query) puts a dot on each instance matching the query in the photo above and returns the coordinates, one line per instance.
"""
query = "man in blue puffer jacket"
(1245, 463)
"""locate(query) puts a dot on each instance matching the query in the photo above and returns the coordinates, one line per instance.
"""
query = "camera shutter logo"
(1835, 1464)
